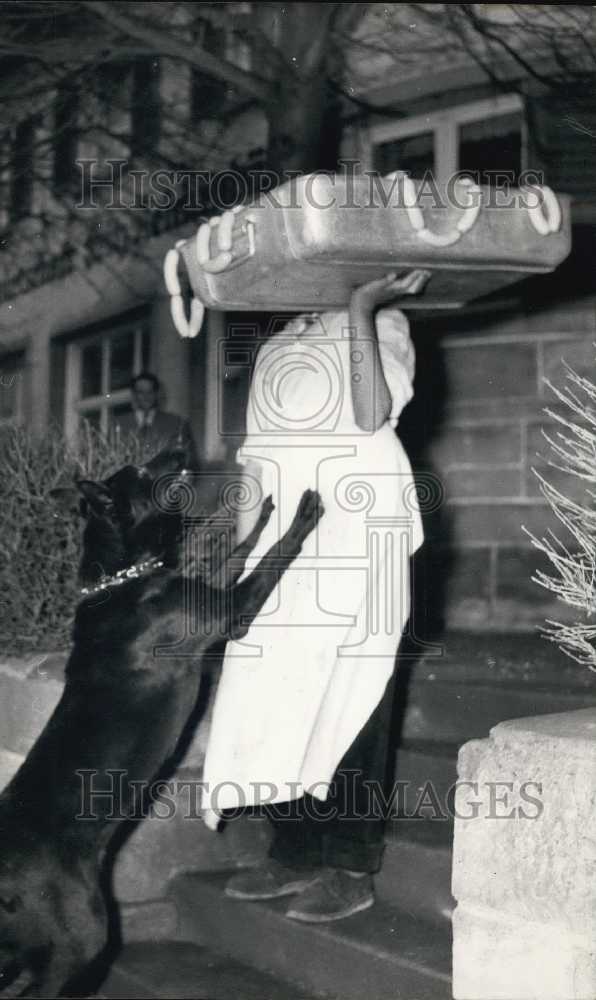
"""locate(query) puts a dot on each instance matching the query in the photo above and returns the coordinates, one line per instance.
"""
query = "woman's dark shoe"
(334, 895)
(269, 881)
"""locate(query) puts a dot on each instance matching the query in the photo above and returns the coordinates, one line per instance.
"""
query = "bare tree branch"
(167, 44)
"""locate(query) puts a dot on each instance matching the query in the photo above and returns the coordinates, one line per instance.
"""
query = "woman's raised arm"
(370, 393)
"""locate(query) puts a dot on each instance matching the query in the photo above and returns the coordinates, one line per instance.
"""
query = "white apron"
(295, 692)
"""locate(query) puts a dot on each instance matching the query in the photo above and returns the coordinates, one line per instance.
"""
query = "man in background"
(154, 428)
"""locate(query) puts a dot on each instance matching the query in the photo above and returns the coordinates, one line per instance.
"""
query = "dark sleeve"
(191, 444)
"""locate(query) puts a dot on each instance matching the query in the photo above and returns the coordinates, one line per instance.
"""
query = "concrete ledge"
(524, 862)
(30, 689)
(9, 765)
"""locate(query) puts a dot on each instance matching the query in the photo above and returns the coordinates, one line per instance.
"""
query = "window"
(21, 181)
(99, 368)
(12, 373)
(241, 35)
(492, 144)
(66, 111)
(480, 138)
(145, 107)
(414, 153)
(110, 83)
(207, 94)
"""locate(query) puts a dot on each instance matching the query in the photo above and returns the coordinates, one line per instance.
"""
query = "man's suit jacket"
(164, 430)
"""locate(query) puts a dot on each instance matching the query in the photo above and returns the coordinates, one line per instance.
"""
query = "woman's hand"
(382, 290)
(370, 393)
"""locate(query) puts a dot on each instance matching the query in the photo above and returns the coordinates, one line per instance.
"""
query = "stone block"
(524, 861)
(471, 521)
(521, 408)
(580, 354)
(476, 444)
(491, 371)
(450, 585)
(466, 570)
(540, 455)
(497, 956)
(518, 597)
(487, 484)
(567, 316)
(538, 321)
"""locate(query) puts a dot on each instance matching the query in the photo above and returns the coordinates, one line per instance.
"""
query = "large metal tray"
(307, 244)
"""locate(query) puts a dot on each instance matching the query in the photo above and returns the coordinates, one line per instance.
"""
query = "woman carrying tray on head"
(302, 713)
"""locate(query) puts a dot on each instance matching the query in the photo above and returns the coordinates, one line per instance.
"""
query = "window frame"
(17, 363)
(214, 39)
(22, 167)
(75, 405)
(65, 140)
(145, 107)
(444, 125)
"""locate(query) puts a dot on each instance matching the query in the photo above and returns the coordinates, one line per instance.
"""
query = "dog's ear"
(96, 495)
(66, 498)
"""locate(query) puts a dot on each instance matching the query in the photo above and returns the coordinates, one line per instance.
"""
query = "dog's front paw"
(267, 508)
(310, 509)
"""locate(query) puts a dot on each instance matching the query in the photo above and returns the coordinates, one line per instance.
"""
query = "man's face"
(144, 395)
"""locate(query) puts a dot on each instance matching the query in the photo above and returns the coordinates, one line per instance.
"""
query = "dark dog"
(123, 707)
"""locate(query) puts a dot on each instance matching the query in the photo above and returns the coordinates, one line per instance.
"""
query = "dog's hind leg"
(249, 596)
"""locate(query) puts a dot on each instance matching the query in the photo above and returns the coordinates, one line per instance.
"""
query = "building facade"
(77, 324)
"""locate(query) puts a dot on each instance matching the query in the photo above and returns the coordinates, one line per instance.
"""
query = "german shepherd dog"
(123, 708)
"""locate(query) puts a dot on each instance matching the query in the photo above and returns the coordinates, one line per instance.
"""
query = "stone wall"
(476, 423)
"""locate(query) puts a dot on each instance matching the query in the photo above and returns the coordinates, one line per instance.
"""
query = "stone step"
(470, 682)
(158, 848)
(416, 869)
(415, 874)
(384, 953)
(453, 712)
(149, 920)
(497, 658)
(177, 970)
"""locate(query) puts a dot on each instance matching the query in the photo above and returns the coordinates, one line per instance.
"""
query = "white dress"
(295, 692)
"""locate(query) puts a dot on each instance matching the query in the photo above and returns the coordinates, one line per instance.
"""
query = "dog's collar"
(123, 575)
